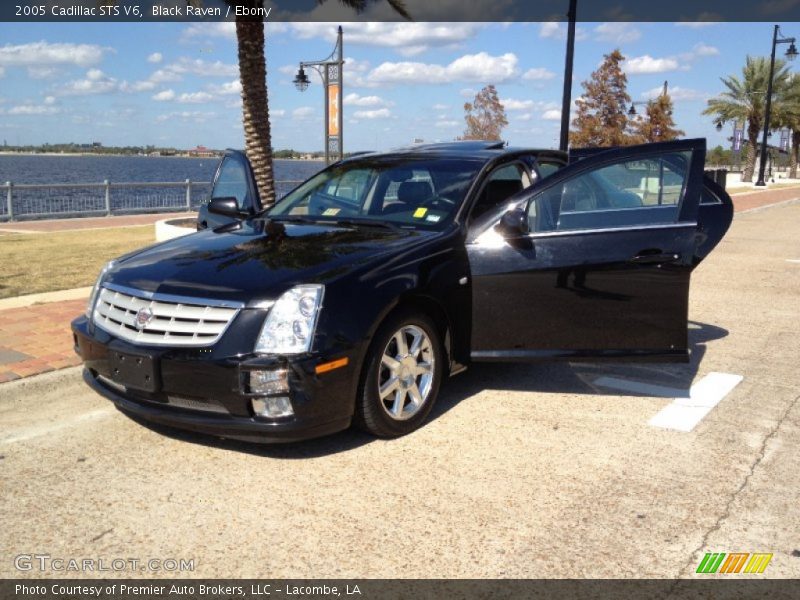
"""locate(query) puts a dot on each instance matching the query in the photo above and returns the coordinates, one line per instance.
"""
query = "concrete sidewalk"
(48, 225)
(34, 331)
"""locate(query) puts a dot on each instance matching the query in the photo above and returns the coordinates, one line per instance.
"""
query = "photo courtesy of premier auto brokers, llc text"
(393, 298)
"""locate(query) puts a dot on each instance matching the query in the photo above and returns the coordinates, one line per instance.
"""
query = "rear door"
(604, 268)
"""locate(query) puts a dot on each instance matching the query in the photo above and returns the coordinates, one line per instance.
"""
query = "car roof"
(485, 150)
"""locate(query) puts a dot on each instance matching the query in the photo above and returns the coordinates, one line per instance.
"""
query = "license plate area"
(138, 371)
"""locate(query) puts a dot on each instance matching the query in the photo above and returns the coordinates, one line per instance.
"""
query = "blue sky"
(176, 84)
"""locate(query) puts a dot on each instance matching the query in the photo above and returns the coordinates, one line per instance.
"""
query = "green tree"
(485, 116)
(601, 118)
(788, 115)
(745, 100)
(656, 125)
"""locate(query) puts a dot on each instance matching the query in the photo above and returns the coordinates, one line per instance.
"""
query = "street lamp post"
(791, 54)
(331, 71)
(566, 98)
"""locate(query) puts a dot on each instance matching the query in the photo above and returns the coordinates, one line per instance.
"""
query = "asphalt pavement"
(549, 470)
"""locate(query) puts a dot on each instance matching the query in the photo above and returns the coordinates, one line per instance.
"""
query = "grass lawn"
(45, 262)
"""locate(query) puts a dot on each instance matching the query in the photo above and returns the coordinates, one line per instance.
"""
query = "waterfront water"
(54, 202)
(21, 169)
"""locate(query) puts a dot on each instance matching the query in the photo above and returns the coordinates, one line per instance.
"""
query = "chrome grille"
(173, 320)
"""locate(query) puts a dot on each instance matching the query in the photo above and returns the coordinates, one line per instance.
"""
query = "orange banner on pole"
(333, 109)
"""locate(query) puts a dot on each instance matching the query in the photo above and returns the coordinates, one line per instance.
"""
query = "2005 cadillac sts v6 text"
(354, 297)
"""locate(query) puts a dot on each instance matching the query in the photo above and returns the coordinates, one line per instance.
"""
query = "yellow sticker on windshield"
(331, 212)
(420, 212)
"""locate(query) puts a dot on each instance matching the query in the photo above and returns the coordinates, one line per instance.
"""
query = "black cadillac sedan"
(357, 294)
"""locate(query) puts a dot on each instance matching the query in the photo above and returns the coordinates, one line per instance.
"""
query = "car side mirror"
(513, 223)
(227, 207)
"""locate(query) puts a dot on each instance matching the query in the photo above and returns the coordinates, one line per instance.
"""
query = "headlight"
(96, 289)
(290, 325)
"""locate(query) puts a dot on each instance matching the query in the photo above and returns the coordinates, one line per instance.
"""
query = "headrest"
(414, 192)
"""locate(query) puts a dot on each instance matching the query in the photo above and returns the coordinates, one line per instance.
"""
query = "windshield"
(405, 191)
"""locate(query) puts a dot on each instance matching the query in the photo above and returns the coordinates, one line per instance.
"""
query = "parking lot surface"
(546, 470)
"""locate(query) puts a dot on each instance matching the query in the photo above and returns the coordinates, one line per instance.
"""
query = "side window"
(503, 183)
(232, 182)
(634, 192)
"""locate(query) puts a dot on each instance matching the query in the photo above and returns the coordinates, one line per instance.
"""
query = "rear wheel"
(404, 371)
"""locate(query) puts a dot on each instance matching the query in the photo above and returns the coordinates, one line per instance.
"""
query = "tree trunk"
(793, 155)
(752, 151)
(255, 109)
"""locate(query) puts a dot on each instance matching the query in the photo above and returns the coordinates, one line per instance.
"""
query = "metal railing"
(62, 200)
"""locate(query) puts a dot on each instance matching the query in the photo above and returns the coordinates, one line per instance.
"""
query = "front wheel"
(404, 371)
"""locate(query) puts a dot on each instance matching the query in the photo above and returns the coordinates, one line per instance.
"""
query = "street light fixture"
(791, 54)
(330, 70)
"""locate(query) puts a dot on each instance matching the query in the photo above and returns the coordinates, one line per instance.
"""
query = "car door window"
(644, 191)
(503, 183)
(232, 182)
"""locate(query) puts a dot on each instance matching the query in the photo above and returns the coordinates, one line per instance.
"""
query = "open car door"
(600, 262)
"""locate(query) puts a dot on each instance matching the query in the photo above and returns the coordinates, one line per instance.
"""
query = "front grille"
(166, 320)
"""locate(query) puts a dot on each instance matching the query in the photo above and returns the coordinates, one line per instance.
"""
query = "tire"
(410, 381)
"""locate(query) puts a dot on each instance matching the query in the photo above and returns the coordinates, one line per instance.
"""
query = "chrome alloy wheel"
(406, 373)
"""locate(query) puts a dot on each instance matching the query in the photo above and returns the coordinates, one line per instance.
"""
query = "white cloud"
(194, 98)
(408, 39)
(227, 89)
(380, 113)
(354, 99)
(42, 72)
(702, 49)
(558, 31)
(34, 110)
(467, 92)
(648, 64)
(50, 100)
(446, 124)
(155, 58)
(195, 116)
(278, 112)
(164, 96)
(137, 86)
(198, 67)
(677, 93)
(44, 53)
(616, 32)
(481, 67)
(523, 117)
(441, 107)
(538, 74)
(96, 82)
(303, 113)
(705, 19)
(552, 115)
(514, 104)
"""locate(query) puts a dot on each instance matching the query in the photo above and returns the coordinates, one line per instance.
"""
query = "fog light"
(268, 382)
(273, 408)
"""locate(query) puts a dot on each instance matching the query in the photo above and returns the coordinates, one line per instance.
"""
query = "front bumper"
(198, 390)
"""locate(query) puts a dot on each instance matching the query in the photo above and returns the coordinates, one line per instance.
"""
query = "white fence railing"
(60, 200)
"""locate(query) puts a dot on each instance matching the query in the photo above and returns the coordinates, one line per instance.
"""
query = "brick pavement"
(36, 339)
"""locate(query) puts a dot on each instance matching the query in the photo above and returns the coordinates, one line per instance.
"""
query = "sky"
(176, 84)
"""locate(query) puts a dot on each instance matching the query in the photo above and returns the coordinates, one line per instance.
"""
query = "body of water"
(66, 169)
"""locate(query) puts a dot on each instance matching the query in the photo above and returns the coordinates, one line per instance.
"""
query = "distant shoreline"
(5, 153)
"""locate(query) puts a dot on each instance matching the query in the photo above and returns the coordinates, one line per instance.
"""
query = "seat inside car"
(410, 195)
(494, 194)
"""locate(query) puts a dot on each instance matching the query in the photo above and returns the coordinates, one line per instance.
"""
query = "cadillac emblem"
(143, 318)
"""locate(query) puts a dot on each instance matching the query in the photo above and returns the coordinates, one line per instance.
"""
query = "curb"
(37, 385)
(45, 297)
(768, 206)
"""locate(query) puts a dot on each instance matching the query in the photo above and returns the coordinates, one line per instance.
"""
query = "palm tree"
(788, 116)
(745, 99)
(255, 102)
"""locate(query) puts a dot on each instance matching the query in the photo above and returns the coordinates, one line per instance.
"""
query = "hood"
(259, 260)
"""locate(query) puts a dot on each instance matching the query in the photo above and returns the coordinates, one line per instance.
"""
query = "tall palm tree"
(788, 116)
(745, 99)
(255, 101)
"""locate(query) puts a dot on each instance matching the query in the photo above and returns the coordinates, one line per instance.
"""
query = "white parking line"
(28, 433)
(689, 406)
(683, 414)
(793, 260)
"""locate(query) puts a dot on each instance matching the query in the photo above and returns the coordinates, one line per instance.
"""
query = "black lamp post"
(330, 70)
(566, 98)
(791, 54)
